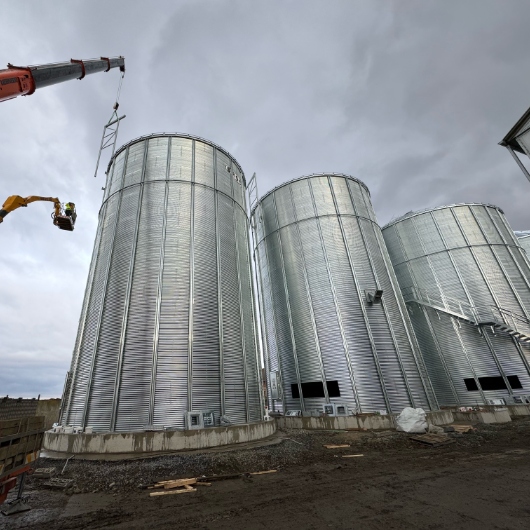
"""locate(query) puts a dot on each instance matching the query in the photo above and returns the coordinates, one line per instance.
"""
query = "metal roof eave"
(509, 139)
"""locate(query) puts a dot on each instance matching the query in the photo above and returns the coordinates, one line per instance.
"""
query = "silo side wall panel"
(319, 250)
(168, 323)
(464, 260)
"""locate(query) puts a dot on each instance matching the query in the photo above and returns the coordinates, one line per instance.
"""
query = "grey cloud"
(411, 97)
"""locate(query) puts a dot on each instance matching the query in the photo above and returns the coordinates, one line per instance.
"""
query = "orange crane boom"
(24, 80)
(64, 222)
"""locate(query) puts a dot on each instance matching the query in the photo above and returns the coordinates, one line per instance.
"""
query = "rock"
(434, 429)
(448, 428)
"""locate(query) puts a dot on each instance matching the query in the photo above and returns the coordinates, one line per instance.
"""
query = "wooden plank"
(170, 492)
(188, 487)
(264, 472)
(179, 483)
(336, 446)
(463, 428)
(203, 484)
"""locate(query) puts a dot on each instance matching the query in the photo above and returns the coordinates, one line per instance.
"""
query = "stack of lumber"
(189, 485)
(181, 485)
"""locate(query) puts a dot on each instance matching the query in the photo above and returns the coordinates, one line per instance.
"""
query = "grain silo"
(466, 282)
(335, 330)
(167, 328)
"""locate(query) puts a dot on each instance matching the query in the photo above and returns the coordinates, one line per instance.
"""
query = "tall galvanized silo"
(335, 328)
(167, 324)
(466, 282)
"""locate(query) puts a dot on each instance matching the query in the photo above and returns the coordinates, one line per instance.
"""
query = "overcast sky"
(411, 97)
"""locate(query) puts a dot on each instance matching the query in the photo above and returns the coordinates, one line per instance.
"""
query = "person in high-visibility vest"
(69, 211)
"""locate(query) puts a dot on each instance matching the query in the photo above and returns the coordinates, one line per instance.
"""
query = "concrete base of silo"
(360, 422)
(138, 443)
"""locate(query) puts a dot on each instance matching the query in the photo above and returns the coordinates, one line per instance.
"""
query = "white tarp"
(412, 420)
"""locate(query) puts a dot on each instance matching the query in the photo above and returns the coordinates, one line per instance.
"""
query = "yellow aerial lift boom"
(64, 219)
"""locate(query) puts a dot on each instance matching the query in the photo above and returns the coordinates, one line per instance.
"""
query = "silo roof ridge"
(410, 214)
(307, 177)
(179, 135)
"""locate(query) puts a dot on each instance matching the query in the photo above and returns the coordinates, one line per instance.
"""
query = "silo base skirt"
(138, 443)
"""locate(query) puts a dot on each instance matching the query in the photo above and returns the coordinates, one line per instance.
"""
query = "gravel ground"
(112, 494)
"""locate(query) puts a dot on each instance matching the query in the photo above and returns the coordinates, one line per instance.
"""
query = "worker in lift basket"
(69, 211)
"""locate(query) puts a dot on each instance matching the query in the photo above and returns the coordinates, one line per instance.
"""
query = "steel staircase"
(516, 325)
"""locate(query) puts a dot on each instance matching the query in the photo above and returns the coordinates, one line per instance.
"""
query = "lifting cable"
(116, 105)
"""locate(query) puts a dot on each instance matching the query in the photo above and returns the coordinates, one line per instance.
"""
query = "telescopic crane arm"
(64, 222)
(24, 80)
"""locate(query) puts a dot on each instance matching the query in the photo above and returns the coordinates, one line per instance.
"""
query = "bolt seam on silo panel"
(126, 302)
(508, 247)
(308, 177)
(321, 263)
(425, 312)
(500, 264)
(337, 308)
(179, 135)
(473, 266)
(241, 319)
(346, 216)
(492, 293)
(130, 279)
(219, 288)
(462, 281)
(199, 184)
(82, 323)
(415, 348)
(514, 292)
(98, 328)
(288, 305)
(364, 312)
(273, 317)
(308, 290)
(139, 365)
(523, 275)
(385, 311)
(466, 354)
(441, 354)
(453, 248)
(442, 294)
(159, 292)
(192, 280)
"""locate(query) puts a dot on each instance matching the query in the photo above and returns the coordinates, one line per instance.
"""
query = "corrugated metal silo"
(167, 323)
(320, 257)
(466, 282)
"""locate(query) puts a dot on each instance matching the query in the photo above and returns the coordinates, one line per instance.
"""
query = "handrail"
(475, 314)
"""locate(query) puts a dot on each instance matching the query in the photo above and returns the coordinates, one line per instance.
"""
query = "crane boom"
(24, 80)
(64, 222)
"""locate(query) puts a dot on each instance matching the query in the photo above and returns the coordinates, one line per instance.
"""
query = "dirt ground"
(481, 480)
